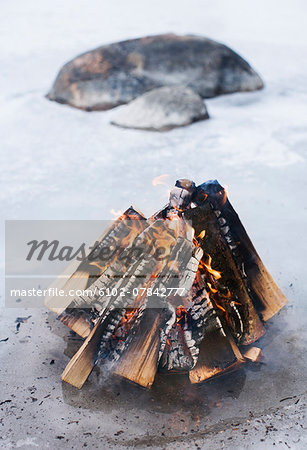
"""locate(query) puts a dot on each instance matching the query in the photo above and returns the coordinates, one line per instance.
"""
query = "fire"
(95, 263)
(192, 234)
(174, 266)
(217, 275)
(201, 234)
(135, 229)
(223, 195)
(214, 291)
(117, 213)
(161, 179)
(220, 307)
(180, 314)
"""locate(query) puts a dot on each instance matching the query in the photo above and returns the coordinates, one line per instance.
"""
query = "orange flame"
(220, 307)
(201, 234)
(213, 272)
(117, 213)
(161, 179)
(180, 312)
(95, 263)
(214, 291)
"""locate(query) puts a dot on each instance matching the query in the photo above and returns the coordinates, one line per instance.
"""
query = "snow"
(62, 163)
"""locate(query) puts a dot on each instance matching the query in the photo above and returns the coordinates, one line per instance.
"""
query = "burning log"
(140, 360)
(218, 354)
(228, 291)
(133, 271)
(104, 252)
(180, 293)
(176, 356)
(266, 295)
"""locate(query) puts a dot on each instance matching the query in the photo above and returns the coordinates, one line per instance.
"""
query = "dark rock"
(162, 109)
(115, 74)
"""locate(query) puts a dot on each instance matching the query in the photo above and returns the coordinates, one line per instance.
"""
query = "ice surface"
(58, 162)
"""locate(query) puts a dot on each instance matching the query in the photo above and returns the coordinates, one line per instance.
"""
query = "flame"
(193, 234)
(201, 234)
(117, 213)
(223, 195)
(214, 291)
(123, 327)
(213, 272)
(95, 263)
(174, 266)
(161, 179)
(220, 307)
(135, 229)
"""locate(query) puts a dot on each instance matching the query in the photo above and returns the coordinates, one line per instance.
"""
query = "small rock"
(22, 319)
(162, 109)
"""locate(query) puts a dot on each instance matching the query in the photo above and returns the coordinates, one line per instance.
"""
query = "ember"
(183, 291)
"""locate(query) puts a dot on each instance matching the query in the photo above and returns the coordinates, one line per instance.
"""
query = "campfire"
(183, 291)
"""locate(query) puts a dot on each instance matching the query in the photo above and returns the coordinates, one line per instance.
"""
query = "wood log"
(239, 311)
(119, 235)
(81, 364)
(180, 200)
(83, 270)
(253, 354)
(218, 354)
(176, 356)
(139, 361)
(266, 295)
(130, 271)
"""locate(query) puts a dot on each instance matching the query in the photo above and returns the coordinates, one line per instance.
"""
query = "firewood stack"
(183, 291)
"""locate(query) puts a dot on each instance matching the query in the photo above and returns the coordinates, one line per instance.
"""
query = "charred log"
(159, 317)
(106, 249)
(218, 354)
(232, 296)
(266, 295)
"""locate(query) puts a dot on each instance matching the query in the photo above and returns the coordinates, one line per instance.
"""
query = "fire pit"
(181, 292)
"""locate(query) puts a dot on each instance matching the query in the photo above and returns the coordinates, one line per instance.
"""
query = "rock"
(115, 74)
(162, 109)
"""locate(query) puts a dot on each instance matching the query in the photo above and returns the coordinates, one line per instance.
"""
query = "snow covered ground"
(61, 163)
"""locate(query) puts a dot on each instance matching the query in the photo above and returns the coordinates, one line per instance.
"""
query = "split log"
(139, 361)
(218, 354)
(266, 295)
(108, 247)
(83, 362)
(179, 200)
(238, 309)
(76, 275)
(253, 354)
(131, 270)
(176, 356)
